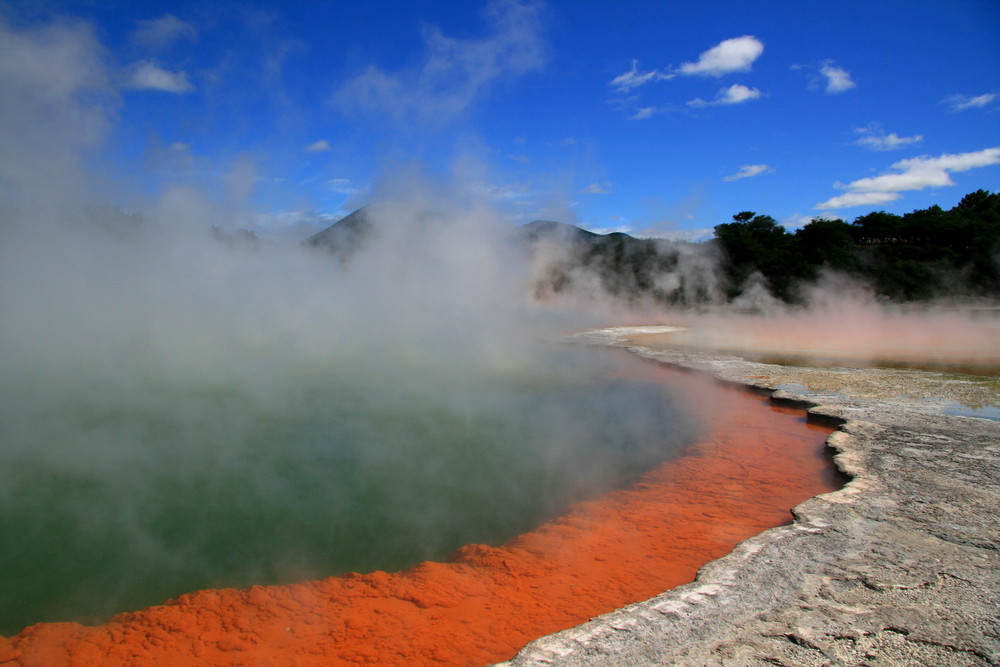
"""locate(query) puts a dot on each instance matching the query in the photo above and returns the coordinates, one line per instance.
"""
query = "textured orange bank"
(755, 463)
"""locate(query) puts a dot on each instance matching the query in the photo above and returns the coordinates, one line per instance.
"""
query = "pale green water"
(113, 500)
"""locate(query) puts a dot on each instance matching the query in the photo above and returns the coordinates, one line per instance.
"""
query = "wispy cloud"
(159, 33)
(962, 102)
(602, 188)
(453, 72)
(643, 113)
(147, 75)
(633, 78)
(749, 171)
(342, 186)
(913, 174)
(827, 76)
(731, 55)
(320, 146)
(734, 94)
(838, 79)
(499, 191)
(875, 138)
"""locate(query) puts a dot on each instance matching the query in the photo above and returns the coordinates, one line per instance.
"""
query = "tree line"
(921, 255)
(926, 254)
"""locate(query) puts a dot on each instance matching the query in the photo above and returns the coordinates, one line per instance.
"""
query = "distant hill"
(621, 265)
(556, 231)
(347, 236)
(565, 257)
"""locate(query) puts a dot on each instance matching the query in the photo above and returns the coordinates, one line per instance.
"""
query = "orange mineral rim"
(481, 606)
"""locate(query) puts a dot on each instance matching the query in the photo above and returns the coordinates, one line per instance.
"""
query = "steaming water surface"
(114, 501)
(182, 410)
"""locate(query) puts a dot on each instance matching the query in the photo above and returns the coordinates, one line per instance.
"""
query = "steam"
(188, 404)
(186, 408)
(843, 323)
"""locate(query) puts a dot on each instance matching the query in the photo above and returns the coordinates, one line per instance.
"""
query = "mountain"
(624, 266)
(556, 231)
(563, 257)
(347, 236)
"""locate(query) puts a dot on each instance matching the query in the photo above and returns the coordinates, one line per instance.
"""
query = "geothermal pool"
(113, 502)
(602, 492)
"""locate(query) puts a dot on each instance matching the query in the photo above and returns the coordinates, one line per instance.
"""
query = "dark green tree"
(923, 254)
(757, 243)
(827, 243)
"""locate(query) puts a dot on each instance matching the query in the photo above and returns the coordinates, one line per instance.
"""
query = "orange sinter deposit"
(754, 464)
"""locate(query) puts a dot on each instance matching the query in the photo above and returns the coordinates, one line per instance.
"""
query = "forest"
(926, 254)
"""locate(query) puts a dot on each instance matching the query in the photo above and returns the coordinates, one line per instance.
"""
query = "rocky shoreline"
(899, 567)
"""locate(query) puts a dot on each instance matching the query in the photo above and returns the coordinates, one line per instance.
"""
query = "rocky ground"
(899, 567)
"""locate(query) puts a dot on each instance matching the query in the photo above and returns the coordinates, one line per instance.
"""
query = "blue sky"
(656, 118)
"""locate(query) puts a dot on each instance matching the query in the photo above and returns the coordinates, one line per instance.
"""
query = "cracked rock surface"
(899, 567)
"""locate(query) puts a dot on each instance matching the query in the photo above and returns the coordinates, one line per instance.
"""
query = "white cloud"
(914, 179)
(634, 78)
(643, 113)
(734, 94)
(837, 78)
(602, 188)
(523, 159)
(731, 55)
(320, 146)
(147, 75)
(453, 72)
(912, 174)
(161, 32)
(963, 102)
(858, 199)
(953, 162)
(874, 138)
(749, 171)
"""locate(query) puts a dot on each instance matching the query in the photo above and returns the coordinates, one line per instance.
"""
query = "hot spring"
(186, 410)
(116, 501)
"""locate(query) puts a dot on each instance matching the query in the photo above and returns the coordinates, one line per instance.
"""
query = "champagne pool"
(627, 477)
(114, 500)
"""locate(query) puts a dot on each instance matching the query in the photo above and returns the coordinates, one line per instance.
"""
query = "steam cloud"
(188, 405)
(187, 409)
